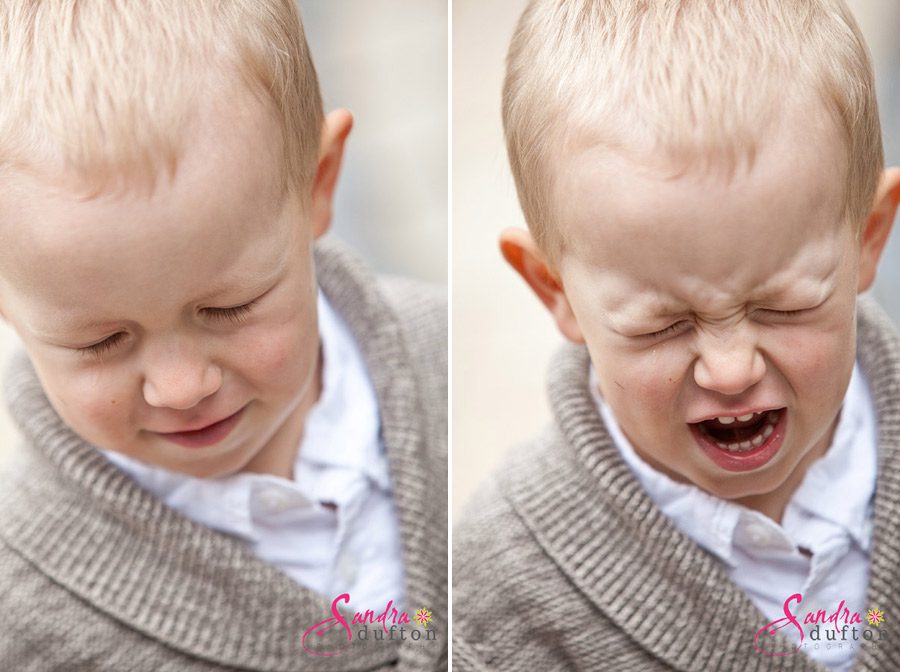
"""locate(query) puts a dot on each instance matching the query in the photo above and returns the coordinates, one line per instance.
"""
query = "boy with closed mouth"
(229, 421)
(705, 194)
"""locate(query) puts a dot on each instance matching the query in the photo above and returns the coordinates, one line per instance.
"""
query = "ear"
(335, 130)
(878, 227)
(523, 254)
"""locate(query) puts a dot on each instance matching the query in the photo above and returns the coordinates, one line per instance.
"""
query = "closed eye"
(234, 314)
(677, 327)
(785, 313)
(104, 346)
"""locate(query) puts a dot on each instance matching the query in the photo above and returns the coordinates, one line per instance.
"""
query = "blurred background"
(385, 61)
(502, 337)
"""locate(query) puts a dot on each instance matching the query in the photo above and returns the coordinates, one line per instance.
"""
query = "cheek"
(280, 356)
(817, 354)
(104, 415)
(97, 407)
(640, 383)
(814, 359)
(282, 348)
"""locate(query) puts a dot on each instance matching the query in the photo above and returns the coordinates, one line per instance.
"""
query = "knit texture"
(563, 562)
(97, 574)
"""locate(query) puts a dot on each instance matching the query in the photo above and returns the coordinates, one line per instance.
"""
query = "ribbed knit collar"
(658, 586)
(91, 529)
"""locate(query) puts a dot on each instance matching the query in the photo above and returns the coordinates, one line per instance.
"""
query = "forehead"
(798, 154)
(223, 205)
(647, 220)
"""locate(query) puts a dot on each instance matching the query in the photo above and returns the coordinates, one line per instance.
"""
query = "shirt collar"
(839, 487)
(343, 427)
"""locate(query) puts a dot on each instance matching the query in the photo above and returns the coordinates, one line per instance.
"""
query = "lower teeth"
(746, 446)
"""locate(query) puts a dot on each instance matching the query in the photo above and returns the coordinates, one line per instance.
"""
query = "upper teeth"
(728, 419)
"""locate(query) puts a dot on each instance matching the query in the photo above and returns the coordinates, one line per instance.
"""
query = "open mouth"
(742, 443)
(741, 434)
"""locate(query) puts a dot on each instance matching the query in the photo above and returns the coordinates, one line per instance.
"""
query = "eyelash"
(786, 313)
(672, 328)
(235, 315)
(104, 346)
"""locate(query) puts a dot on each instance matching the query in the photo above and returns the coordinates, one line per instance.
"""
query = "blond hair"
(695, 79)
(105, 88)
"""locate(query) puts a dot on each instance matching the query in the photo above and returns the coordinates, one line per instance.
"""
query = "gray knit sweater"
(97, 574)
(565, 563)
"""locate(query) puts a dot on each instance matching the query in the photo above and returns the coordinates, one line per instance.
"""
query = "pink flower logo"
(875, 616)
(423, 617)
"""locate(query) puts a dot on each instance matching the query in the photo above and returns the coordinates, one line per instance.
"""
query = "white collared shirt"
(353, 547)
(830, 514)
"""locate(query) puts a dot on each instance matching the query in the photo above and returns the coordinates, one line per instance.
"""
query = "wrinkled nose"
(729, 363)
(180, 378)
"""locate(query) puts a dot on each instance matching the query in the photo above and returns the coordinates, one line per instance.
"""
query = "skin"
(703, 295)
(121, 300)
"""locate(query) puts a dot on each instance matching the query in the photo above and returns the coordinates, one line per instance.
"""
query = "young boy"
(705, 196)
(235, 435)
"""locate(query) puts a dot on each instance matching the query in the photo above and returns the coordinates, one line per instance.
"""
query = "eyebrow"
(809, 290)
(62, 324)
(649, 306)
(259, 284)
(232, 285)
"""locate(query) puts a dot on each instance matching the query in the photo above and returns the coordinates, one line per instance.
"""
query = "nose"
(729, 361)
(179, 376)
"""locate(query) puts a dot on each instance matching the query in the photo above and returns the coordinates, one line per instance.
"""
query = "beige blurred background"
(385, 61)
(502, 336)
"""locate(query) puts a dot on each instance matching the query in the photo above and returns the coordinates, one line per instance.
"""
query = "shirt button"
(274, 501)
(759, 535)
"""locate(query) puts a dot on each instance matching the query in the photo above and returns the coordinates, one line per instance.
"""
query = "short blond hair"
(696, 79)
(105, 88)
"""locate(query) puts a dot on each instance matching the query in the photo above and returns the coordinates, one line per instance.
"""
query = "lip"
(204, 436)
(747, 461)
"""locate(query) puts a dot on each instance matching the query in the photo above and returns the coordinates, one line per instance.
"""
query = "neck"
(279, 454)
